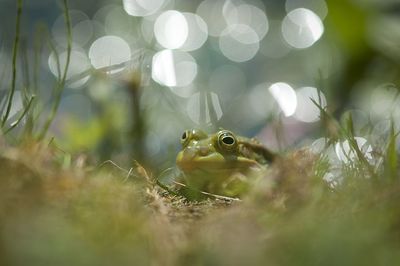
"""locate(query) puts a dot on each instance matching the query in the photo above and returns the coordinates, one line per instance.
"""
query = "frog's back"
(254, 149)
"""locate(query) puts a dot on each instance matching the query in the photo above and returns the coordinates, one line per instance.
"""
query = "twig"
(129, 173)
(170, 191)
(106, 69)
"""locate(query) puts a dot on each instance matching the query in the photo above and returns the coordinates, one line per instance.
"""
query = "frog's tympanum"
(221, 163)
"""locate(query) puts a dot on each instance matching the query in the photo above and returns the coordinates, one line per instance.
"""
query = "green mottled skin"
(210, 166)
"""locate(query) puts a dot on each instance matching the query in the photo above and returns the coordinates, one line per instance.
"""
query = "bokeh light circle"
(306, 110)
(184, 92)
(248, 15)
(17, 106)
(319, 7)
(117, 23)
(318, 145)
(285, 96)
(141, 8)
(261, 100)
(173, 68)
(346, 153)
(81, 27)
(301, 28)
(197, 32)
(78, 63)
(212, 12)
(109, 51)
(384, 100)
(360, 119)
(239, 43)
(171, 29)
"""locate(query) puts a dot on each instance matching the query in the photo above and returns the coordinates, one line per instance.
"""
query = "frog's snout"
(196, 151)
(203, 151)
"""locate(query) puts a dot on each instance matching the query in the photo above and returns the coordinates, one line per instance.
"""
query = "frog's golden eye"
(227, 141)
(185, 137)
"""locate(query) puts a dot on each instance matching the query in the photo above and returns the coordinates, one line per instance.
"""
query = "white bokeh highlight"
(141, 8)
(82, 29)
(306, 110)
(171, 29)
(239, 43)
(79, 63)
(16, 104)
(347, 154)
(109, 51)
(261, 100)
(173, 68)
(301, 28)
(384, 102)
(285, 96)
(212, 12)
(319, 7)
(249, 15)
(197, 32)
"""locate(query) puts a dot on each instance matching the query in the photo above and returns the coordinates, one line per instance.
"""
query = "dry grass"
(76, 216)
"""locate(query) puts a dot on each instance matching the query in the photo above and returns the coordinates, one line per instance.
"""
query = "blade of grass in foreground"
(348, 134)
(27, 108)
(14, 63)
(391, 160)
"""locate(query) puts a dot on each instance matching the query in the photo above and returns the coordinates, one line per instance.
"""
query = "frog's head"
(217, 152)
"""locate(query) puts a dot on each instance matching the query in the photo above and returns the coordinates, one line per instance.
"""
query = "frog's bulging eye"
(227, 141)
(185, 137)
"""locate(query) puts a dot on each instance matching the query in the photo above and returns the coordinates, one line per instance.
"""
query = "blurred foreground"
(122, 79)
(54, 210)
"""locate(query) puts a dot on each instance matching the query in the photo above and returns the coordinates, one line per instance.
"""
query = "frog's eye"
(185, 137)
(227, 141)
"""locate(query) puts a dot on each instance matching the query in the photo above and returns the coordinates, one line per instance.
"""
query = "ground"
(54, 213)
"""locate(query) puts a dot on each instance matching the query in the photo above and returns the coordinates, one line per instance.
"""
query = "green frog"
(221, 163)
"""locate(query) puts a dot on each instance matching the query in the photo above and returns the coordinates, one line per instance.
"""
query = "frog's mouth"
(213, 163)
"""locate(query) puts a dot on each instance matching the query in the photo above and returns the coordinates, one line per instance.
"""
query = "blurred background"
(142, 71)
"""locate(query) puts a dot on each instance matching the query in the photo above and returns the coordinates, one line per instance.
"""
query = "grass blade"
(27, 108)
(391, 160)
(14, 62)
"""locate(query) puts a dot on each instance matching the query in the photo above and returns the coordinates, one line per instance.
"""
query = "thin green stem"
(57, 59)
(14, 63)
(27, 108)
(61, 84)
(2, 73)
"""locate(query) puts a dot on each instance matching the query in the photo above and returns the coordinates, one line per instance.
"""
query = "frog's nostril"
(203, 151)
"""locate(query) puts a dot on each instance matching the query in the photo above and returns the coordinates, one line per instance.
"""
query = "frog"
(221, 163)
